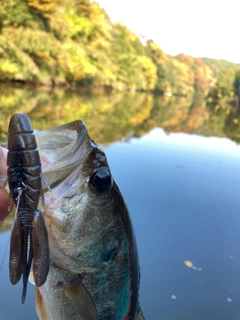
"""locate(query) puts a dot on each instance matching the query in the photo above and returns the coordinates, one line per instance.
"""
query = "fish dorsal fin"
(81, 299)
(40, 307)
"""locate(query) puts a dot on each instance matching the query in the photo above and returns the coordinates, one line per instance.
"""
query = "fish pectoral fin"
(140, 315)
(81, 299)
(31, 279)
(40, 306)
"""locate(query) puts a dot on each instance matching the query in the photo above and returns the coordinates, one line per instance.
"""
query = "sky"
(206, 28)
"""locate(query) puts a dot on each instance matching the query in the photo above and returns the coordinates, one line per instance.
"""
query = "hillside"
(219, 65)
(67, 43)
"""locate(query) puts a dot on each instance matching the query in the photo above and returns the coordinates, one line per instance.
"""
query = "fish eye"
(101, 180)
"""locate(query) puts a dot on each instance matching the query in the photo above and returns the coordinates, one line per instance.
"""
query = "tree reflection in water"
(111, 116)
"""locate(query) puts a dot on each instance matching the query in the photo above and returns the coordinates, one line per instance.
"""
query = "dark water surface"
(182, 191)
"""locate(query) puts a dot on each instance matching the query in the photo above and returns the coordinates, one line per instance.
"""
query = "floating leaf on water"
(188, 263)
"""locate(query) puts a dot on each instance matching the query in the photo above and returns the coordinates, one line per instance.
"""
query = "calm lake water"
(178, 167)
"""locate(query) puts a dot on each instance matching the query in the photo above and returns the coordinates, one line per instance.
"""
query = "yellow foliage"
(143, 113)
(77, 25)
(44, 40)
(8, 100)
(96, 13)
(74, 62)
(8, 68)
(149, 70)
(44, 7)
(17, 57)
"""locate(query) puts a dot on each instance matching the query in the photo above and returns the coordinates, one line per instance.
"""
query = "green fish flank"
(124, 295)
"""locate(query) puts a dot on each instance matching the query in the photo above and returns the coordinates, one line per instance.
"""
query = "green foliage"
(75, 26)
(50, 41)
(236, 83)
(16, 13)
(147, 73)
(181, 78)
(134, 70)
(15, 63)
(224, 84)
(173, 75)
(155, 53)
(74, 63)
(218, 65)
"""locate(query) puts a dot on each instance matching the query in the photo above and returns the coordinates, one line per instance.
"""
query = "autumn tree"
(236, 83)
(203, 75)
(155, 53)
(225, 82)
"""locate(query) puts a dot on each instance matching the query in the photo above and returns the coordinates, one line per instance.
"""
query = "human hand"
(4, 196)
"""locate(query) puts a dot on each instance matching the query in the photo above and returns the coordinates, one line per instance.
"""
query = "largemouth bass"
(94, 267)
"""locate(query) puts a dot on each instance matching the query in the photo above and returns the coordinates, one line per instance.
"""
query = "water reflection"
(182, 192)
(114, 115)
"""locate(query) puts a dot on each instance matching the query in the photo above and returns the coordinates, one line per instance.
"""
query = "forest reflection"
(112, 116)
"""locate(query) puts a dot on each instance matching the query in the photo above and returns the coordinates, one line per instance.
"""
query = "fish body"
(94, 267)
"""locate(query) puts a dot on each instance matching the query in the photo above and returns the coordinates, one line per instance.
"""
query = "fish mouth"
(78, 211)
(62, 149)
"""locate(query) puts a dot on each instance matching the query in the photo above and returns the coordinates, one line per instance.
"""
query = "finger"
(3, 160)
(3, 195)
